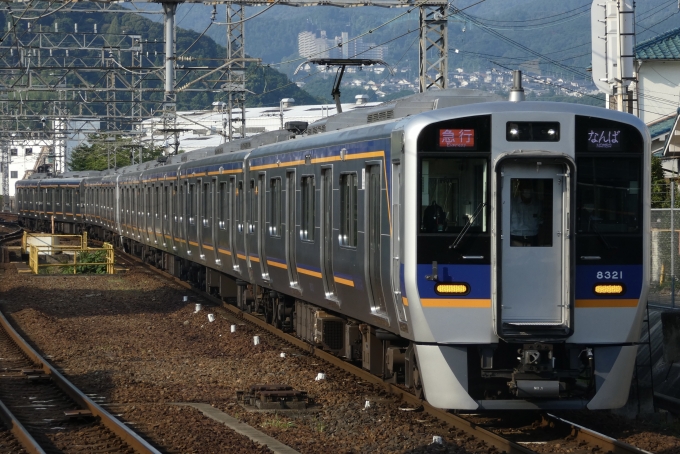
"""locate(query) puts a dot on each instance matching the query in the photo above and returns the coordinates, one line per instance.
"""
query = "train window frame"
(222, 205)
(275, 188)
(157, 201)
(191, 190)
(206, 203)
(308, 209)
(251, 208)
(349, 206)
(485, 196)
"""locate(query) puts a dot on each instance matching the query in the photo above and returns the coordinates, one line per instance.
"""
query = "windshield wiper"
(467, 225)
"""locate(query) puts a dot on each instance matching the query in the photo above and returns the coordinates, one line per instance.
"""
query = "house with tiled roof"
(658, 89)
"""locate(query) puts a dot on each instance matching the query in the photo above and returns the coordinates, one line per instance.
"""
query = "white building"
(318, 45)
(658, 73)
(207, 128)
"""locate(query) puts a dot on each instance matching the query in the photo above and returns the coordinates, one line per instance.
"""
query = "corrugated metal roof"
(663, 47)
(662, 127)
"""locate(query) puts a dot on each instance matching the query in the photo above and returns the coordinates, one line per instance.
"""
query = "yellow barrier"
(41, 236)
(80, 256)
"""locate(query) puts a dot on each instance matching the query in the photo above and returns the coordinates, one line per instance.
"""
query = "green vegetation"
(82, 258)
(661, 189)
(101, 154)
(278, 423)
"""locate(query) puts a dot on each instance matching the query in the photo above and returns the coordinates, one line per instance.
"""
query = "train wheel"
(418, 384)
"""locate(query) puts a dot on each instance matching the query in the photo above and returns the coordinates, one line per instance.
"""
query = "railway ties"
(45, 413)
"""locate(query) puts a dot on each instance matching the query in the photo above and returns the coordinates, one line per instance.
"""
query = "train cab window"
(275, 215)
(308, 208)
(348, 209)
(452, 191)
(222, 206)
(531, 208)
(609, 195)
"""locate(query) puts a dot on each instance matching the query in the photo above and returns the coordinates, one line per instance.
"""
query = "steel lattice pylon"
(433, 40)
(236, 70)
(4, 163)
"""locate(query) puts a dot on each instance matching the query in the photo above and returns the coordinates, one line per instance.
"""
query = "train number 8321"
(610, 275)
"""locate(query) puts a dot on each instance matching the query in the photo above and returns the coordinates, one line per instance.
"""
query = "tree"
(661, 190)
(102, 154)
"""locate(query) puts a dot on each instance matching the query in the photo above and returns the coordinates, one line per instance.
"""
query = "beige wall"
(659, 89)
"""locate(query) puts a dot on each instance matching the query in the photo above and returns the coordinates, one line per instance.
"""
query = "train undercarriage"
(500, 371)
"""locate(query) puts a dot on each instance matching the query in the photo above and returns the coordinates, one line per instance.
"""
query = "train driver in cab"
(525, 214)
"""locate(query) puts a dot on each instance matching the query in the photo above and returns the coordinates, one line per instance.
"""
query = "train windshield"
(609, 195)
(451, 192)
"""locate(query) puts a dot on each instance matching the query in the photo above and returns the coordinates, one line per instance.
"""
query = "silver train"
(489, 255)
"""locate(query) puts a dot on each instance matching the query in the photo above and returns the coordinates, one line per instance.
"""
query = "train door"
(204, 234)
(327, 232)
(221, 227)
(533, 276)
(163, 210)
(260, 193)
(373, 237)
(291, 230)
(182, 214)
(192, 227)
(157, 213)
(215, 218)
(395, 243)
(233, 221)
(172, 216)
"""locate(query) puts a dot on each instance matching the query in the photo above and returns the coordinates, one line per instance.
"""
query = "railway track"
(45, 413)
(576, 435)
(12, 235)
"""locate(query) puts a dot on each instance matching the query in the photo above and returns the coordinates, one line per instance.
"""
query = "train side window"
(348, 209)
(275, 215)
(157, 203)
(181, 202)
(166, 203)
(239, 206)
(308, 208)
(251, 207)
(207, 204)
(191, 208)
(222, 206)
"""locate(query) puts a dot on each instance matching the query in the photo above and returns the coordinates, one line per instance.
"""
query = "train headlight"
(609, 289)
(457, 288)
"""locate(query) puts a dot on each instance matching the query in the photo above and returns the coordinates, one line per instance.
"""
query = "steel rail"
(503, 445)
(114, 425)
(11, 235)
(19, 431)
(607, 444)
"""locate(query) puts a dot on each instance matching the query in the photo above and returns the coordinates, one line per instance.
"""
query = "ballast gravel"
(131, 342)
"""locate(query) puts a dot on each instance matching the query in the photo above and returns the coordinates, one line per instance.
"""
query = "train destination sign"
(457, 138)
(604, 139)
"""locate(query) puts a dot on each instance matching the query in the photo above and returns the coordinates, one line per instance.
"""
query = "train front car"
(525, 262)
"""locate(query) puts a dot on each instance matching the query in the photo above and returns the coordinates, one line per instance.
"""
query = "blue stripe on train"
(587, 277)
(478, 277)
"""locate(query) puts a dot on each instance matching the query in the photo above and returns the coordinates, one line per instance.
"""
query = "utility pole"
(613, 51)
(236, 70)
(5, 175)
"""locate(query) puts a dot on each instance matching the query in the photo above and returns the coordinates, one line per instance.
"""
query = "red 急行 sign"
(457, 138)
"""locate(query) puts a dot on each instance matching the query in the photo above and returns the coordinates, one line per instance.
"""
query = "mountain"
(488, 34)
(268, 84)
